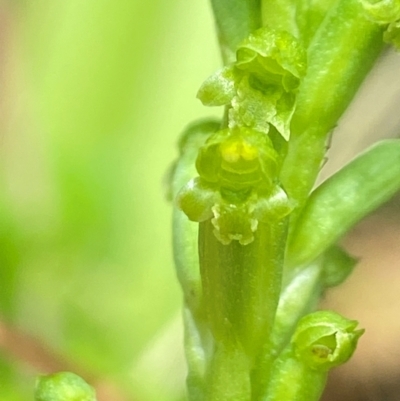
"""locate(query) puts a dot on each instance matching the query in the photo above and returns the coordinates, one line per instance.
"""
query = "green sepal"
(337, 265)
(382, 11)
(63, 386)
(196, 199)
(344, 199)
(325, 339)
(220, 88)
(392, 34)
(273, 206)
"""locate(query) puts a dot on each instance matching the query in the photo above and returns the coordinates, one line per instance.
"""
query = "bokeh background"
(94, 94)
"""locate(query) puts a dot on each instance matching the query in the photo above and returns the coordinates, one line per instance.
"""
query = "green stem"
(309, 16)
(293, 381)
(340, 56)
(228, 375)
(241, 287)
(280, 15)
(241, 284)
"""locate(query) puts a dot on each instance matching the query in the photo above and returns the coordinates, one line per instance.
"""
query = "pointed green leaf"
(345, 198)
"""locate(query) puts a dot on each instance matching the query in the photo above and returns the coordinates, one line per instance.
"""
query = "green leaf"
(344, 199)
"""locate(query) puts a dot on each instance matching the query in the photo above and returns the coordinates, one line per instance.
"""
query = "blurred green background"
(94, 95)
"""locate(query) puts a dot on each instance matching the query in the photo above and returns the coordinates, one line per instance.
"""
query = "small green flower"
(324, 339)
(260, 88)
(237, 185)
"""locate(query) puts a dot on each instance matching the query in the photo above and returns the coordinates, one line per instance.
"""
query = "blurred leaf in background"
(94, 95)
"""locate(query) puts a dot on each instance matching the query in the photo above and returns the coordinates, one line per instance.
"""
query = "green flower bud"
(324, 339)
(63, 386)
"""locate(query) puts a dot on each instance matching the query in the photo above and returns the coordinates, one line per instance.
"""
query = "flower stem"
(341, 54)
